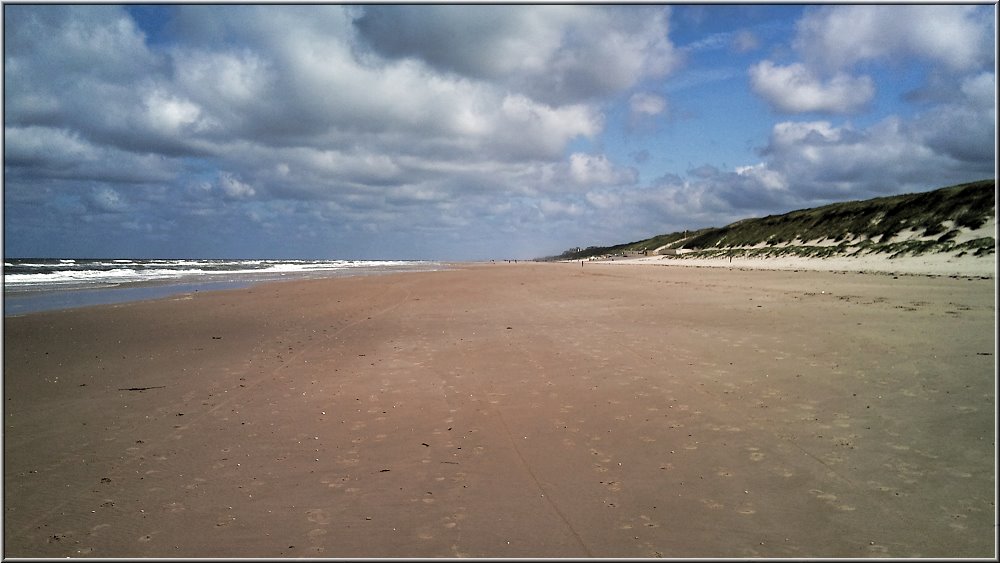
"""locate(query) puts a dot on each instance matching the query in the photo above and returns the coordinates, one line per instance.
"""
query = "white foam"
(73, 274)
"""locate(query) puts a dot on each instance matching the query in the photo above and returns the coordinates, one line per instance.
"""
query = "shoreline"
(500, 410)
(22, 301)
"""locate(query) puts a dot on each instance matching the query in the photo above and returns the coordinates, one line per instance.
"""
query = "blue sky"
(471, 132)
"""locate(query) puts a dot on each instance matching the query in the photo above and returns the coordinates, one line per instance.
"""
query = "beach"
(931, 264)
(511, 410)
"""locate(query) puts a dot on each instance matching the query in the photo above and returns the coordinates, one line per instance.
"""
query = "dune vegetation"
(945, 220)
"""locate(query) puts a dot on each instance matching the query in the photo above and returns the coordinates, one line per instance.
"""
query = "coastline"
(25, 299)
(500, 410)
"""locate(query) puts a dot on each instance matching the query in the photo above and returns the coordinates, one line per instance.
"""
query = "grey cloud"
(962, 129)
(555, 54)
(38, 153)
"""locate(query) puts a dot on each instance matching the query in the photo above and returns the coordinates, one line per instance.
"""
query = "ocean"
(32, 285)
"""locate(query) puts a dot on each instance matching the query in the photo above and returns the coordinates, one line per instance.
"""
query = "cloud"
(107, 200)
(962, 129)
(646, 112)
(38, 153)
(811, 163)
(838, 37)
(795, 89)
(241, 94)
(646, 104)
(233, 187)
(833, 40)
(597, 170)
(742, 41)
(745, 41)
(555, 54)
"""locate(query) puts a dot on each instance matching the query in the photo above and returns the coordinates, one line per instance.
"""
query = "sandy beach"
(937, 264)
(502, 410)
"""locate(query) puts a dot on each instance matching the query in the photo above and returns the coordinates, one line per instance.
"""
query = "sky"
(476, 132)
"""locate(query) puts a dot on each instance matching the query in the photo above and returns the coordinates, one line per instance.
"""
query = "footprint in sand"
(613, 486)
(783, 471)
(829, 497)
(318, 516)
(197, 481)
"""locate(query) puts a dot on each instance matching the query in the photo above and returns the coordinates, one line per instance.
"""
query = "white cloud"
(587, 170)
(170, 114)
(956, 36)
(223, 79)
(647, 104)
(764, 177)
(232, 187)
(527, 128)
(796, 89)
(604, 199)
(555, 210)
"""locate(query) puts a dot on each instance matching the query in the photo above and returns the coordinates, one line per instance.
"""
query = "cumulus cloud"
(833, 40)
(795, 89)
(597, 170)
(811, 163)
(555, 54)
(335, 111)
(840, 36)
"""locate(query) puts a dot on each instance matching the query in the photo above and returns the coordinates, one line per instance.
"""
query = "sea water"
(31, 285)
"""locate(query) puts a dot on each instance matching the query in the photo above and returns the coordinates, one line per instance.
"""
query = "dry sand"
(530, 410)
(936, 264)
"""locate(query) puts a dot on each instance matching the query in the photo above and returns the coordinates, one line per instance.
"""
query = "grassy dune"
(946, 220)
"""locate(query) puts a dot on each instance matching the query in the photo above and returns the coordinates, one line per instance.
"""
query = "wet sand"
(500, 410)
